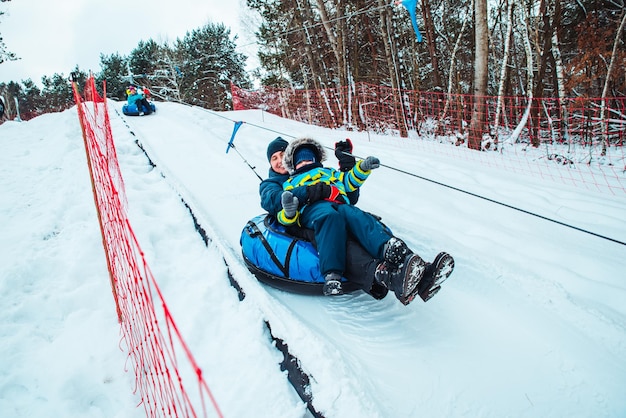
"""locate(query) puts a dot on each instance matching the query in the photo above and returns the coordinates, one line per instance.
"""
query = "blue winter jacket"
(271, 190)
(132, 98)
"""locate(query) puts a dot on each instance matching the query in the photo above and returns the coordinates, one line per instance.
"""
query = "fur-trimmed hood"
(300, 142)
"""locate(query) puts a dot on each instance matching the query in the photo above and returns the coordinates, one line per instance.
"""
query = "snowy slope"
(521, 282)
(532, 322)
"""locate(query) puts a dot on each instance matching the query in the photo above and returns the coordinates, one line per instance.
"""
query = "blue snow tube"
(282, 260)
(131, 110)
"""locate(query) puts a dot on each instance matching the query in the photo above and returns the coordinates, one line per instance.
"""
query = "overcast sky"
(54, 36)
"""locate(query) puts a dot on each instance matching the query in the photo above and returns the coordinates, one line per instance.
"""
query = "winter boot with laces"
(332, 285)
(395, 252)
(403, 280)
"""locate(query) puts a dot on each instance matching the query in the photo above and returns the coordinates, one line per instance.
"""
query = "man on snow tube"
(360, 266)
(318, 198)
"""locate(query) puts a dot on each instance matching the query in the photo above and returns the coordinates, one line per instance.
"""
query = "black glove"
(317, 191)
(346, 162)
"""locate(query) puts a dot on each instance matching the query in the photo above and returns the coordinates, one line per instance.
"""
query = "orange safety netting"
(152, 338)
(590, 130)
(378, 108)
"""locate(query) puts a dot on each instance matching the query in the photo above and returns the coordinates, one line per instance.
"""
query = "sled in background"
(131, 110)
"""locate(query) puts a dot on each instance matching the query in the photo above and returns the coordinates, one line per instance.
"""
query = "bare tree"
(560, 71)
(503, 70)
(452, 70)
(167, 75)
(390, 53)
(481, 74)
(605, 90)
(543, 46)
(304, 19)
(430, 38)
(529, 77)
(336, 32)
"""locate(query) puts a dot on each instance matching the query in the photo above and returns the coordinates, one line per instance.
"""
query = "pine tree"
(57, 92)
(143, 61)
(210, 63)
(114, 69)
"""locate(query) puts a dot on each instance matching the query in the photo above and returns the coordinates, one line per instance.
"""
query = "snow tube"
(131, 110)
(282, 260)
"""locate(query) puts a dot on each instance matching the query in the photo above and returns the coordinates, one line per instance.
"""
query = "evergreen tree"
(57, 94)
(30, 101)
(114, 69)
(143, 61)
(210, 63)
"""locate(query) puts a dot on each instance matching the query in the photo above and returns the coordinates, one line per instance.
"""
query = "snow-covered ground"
(531, 323)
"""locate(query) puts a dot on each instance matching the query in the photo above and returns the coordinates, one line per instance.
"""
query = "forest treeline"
(532, 48)
(196, 69)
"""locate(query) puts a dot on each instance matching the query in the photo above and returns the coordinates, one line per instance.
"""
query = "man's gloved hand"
(317, 191)
(290, 204)
(370, 163)
(346, 161)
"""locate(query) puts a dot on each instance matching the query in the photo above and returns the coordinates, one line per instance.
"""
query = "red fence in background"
(152, 337)
(363, 106)
(576, 141)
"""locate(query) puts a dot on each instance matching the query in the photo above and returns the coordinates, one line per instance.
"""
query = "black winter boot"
(395, 252)
(404, 280)
(332, 284)
(383, 274)
(378, 290)
(436, 273)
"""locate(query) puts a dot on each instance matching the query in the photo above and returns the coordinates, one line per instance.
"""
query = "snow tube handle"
(253, 231)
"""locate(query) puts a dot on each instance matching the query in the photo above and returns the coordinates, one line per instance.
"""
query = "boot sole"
(415, 272)
(443, 265)
(333, 289)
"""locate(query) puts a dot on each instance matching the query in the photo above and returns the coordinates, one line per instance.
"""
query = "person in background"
(316, 197)
(138, 98)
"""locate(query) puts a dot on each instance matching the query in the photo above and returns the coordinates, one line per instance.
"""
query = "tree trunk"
(304, 20)
(393, 74)
(560, 72)
(503, 71)
(337, 46)
(605, 90)
(452, 71)
(430, 41)
(481, 73)
(529, 89)
(544, 37)
(332, 39)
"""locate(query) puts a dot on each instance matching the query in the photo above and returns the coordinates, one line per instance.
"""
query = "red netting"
(153, 353)
(584, 136)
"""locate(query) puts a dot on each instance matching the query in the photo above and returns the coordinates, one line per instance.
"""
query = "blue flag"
(411, 6)
(232, 137)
